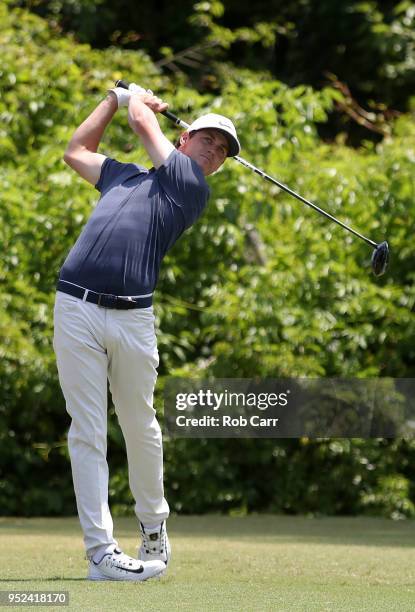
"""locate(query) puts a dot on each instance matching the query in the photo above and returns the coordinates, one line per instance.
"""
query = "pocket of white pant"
(66, 303)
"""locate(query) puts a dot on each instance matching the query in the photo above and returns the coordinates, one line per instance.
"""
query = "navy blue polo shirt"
(140, 215)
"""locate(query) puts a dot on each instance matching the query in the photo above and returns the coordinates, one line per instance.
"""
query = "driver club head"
(380, 258)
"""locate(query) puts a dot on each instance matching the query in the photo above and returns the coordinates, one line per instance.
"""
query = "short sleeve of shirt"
(114, 172)
(183, 180)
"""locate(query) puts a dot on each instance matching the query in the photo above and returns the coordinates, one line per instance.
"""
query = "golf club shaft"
(269, 178)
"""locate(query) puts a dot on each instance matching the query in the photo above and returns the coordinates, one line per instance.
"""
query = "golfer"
(104, 321)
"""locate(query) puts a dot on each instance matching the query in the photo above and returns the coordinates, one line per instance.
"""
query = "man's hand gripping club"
(145, 95)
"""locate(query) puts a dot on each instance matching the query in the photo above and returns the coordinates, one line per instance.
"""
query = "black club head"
(380, 259)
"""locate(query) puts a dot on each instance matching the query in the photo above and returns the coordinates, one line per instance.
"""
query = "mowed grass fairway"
(225, 563)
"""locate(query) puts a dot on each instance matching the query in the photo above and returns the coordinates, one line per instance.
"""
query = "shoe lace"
(154, 542)
(120, 561)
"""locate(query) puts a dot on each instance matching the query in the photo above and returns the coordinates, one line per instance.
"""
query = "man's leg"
(133, 359)
(82, 365)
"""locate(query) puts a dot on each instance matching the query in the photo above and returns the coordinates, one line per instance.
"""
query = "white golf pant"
(92, 344)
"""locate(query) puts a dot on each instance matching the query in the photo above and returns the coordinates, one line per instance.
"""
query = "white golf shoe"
(116, 565)
(155, 544)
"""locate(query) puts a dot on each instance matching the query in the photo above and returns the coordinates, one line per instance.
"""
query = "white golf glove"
(122, 95)
(134, 88)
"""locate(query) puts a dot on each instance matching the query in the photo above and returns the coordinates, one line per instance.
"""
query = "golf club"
(380, 255)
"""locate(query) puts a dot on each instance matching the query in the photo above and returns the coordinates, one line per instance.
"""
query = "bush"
(259, 287)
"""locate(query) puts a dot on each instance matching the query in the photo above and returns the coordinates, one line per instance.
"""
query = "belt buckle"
(125, 301)
(106, 300)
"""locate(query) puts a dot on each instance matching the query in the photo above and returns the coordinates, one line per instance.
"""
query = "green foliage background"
(259, 287)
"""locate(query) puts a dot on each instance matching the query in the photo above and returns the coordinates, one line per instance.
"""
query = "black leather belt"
(106, 300)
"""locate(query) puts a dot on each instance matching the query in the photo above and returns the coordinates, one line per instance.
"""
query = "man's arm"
(143, 121)
(81, 152)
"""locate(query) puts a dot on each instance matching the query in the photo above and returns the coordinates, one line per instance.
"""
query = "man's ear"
(184, 138)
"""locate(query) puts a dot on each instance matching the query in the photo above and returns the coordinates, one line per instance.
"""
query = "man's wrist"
(121, 96)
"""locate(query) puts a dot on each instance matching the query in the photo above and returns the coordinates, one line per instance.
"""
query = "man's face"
(208, 147)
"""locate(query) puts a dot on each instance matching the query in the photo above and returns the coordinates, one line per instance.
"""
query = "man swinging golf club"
(104, 321)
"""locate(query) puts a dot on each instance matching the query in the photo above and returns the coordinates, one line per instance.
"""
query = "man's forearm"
(88, 135)
(143, 121)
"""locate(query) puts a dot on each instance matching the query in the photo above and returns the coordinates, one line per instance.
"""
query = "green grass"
(226, 563)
